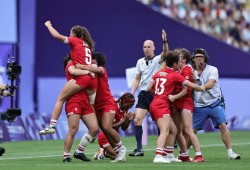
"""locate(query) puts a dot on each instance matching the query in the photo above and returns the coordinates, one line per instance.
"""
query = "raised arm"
(54, 32)
(165, 48)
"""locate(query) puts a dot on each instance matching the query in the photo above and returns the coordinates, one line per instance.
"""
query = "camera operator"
(3, 92)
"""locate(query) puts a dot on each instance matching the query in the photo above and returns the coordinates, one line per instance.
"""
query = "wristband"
(164, 42)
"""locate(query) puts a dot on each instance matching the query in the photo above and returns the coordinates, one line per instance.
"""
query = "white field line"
(47, 156)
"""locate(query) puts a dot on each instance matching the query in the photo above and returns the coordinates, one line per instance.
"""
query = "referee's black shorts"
(144, 100)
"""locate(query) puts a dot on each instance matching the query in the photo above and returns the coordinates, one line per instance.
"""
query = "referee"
(145, 69)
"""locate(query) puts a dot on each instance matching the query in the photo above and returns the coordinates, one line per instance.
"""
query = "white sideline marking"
(47, 156)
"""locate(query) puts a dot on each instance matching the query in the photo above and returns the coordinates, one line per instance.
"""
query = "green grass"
(43, 155)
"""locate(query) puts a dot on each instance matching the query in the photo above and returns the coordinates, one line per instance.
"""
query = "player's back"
(80, 52)
(165, 81)
(103, 92)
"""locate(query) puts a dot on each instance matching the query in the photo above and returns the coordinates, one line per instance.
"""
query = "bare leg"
(163, 125)
(179, 136)
(188, 130)
(109, 152)
(73, 122)
(107, 122)
(91, 123)
(68, 90)
(225, 135)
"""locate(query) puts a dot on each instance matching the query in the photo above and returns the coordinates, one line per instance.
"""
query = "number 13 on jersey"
(159, 86)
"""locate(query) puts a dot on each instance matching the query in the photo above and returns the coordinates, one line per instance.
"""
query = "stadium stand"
(226, 20)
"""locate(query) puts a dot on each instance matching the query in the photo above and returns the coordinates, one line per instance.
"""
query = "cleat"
(68, 159)
(2, 150)
(49, 130)
(160, 159)
(81, 156)
(137, 152)
(173, 159)
(198, 159)
(116, 160)
(121, 156)
(233, 156)
(184, 158)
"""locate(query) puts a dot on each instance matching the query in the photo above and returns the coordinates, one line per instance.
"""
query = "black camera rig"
(13, 71)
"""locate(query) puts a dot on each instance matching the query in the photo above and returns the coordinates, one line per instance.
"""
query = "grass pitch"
(48, 155)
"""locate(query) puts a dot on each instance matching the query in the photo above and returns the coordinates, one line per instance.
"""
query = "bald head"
(148, 48)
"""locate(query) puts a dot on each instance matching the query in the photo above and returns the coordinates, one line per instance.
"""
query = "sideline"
(48, 156)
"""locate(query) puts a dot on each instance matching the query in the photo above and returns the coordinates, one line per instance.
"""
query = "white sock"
(230, 151)
(118, 146)
(159, 152)
(53, 123)
(184, 153)
(86, 139)
(66, 155)
(198, 153)
(170, 150)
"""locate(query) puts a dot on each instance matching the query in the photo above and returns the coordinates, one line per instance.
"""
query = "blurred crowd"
(226, 20)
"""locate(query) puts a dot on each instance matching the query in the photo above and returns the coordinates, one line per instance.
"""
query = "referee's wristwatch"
(164, 42)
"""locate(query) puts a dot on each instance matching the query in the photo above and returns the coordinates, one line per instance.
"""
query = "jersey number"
(88, 58)
(159, 87)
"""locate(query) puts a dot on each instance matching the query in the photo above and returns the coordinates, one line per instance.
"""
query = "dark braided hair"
(126, 101)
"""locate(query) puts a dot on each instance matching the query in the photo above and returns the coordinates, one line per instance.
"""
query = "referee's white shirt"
(147, 71)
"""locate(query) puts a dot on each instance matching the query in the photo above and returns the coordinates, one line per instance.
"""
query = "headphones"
(201, 51)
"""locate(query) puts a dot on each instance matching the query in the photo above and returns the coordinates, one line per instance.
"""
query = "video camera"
(10, 114)
(13, 71)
